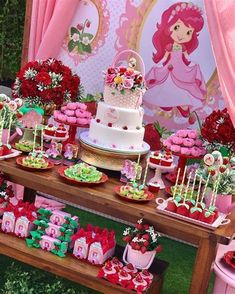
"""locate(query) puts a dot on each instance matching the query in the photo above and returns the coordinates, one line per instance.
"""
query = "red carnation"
(43, 77)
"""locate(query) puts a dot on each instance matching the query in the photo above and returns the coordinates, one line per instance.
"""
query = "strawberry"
(123, 273)
(110, 125)
(152, 136)
(145, 273)
(125, 128)
(137, 247)
(98, 120)
(1, 105)
(130, 266)
(146, 243)
(182, 210)
(171, 206)
(222, 168)
(143, 249)
(139, 227)
(126, 239)
(146, 227)
(145, 236)
(225, 160)
(139, 279)
(212, 172)
(132, 244)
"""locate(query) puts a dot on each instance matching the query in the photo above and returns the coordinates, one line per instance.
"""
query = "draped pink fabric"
(49, 24)
(221, 22)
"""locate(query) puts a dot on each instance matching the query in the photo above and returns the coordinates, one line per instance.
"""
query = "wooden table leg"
(29, 195)
(202, 269)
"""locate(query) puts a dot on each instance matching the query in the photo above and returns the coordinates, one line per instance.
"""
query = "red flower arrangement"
(218, 129)
(46, 82)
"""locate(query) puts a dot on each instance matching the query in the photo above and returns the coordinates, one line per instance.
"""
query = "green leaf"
(86, 48)
(35, 235)
(79, 47)
(122, 91)
(73, 31)
(63, 246)
(60, 254)
(29, 242)
(71, 45)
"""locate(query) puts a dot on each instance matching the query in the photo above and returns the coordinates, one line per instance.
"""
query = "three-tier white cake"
(118, 124)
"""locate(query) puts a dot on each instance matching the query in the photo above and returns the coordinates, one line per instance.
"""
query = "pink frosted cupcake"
(192, 134)
(80, 113)
(177, 140)
(71, 119)
(188, 142)
(69, 112)
(129, 268)
(182, 133)
(175, 148)
(72, 105)
(186, 151)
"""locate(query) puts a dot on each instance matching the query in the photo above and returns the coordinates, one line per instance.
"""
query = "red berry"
(146, 227)
(130, 266)
(139, 227)
(126, 239)
(225, 160)
(98, 120)
(88, 23)
(137, 247)
(110, 125)
(222, 168)
(125, 128)
(132, 244)
(146, 243)
(143, 249)
(146, 236)
(159, 248)
(212, 172)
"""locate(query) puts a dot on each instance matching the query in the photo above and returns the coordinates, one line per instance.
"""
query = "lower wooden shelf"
(70, 268)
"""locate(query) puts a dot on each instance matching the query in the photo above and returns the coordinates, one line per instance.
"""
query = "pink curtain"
(221, 22)
(49, 24)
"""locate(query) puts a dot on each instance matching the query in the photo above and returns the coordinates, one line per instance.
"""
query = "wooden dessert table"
(102, 198)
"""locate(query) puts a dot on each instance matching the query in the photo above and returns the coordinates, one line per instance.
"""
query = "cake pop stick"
(216, 190)
(41, 147)
(187, 187)
(34, 137)
(2, 124)
(138, 161)
(199, 190)
(145, 173)
(194, 182)
(9, 129)
(182, 183)
(213, 193)
(205, 187)
(176, 183)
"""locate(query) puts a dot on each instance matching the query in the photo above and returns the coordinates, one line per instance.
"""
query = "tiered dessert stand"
(159, 170)
(107, 158)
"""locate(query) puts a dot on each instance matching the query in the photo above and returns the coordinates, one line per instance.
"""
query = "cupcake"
(166, 160)
(129, 268)
(147, 276)
(154, 187)
(61, 132)
(49, 130)
(124, 276)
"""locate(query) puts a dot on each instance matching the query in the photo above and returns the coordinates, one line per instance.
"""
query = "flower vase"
(137, 258)
(223, 203)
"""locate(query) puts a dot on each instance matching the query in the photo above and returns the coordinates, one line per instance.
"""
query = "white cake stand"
(159, 170)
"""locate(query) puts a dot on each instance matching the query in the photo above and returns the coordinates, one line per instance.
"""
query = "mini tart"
(61, 132)
(124, 276)
(49, 130)
(146, 275)
(129, 268)
(138, 283)
(166, 160)
(116, 262)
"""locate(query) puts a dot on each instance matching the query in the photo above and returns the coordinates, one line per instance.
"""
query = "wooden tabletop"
(102, 198)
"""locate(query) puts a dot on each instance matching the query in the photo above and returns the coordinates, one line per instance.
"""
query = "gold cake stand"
(101, 158)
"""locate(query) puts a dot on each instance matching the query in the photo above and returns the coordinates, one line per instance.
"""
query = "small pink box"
(81, 248)
(58, 217)
(53, 230)
(96, 255)
(47, 243)
(8, 222)
(23, 227)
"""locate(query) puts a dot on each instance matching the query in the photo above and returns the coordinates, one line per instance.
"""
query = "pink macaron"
(71, 119)
(186, 151)
(62, 117)
(175, 148)
(69, 112)
(198, 142)
(83, 121)
(187, 142)
(72, 105)
(63, 108)
(80, 113)
(81, 106)
(177, 140)
(195, 151)
(192, 134)
(182, 133)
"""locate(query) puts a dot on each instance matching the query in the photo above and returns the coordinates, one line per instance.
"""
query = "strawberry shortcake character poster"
(173, 39)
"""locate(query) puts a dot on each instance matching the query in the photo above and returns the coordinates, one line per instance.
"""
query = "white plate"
(84, 138)
(221, 219)
(13, 154)
(59, 139)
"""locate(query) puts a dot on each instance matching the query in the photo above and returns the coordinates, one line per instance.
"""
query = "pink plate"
(149, 197)
(61, 170)
(19, 162)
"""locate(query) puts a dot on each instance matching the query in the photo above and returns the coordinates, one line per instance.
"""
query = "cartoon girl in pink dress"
(175, 83)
